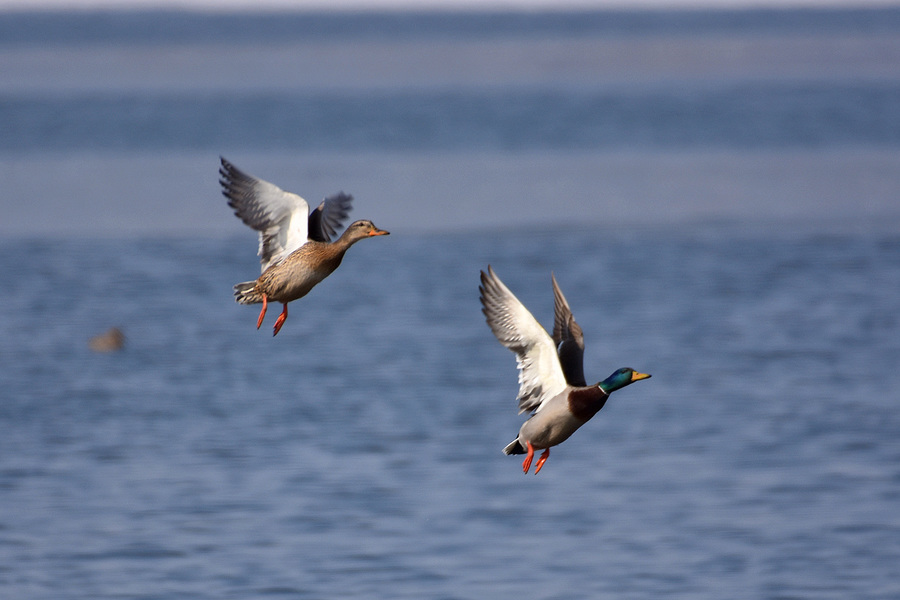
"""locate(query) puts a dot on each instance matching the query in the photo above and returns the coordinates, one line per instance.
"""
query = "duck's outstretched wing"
(568, 337)
(540, 374)
(329, 216)
(280, 217)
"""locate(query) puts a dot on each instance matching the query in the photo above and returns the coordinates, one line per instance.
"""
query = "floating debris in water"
(111, 341)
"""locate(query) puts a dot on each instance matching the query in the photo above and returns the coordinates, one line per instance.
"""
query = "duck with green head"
(551, 370)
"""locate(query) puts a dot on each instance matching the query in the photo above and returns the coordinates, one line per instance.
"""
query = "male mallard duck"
(295, 248)
(551, 370)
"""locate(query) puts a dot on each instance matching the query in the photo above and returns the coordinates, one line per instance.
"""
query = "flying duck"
(551, 370)
(295, 247)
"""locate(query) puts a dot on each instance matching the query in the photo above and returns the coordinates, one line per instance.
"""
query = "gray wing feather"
(568, 337)
(280, 217)
(331, 213)
(540, 374)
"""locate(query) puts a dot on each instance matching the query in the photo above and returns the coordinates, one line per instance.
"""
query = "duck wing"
(540, 374)
(568, 337)
(280, 217)
(329, 216)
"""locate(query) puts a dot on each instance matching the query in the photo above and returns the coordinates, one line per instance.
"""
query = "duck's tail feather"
(514, 447)
(246, 293)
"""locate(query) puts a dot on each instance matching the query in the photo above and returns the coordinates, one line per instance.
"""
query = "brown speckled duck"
(295, 247)
(551, 370)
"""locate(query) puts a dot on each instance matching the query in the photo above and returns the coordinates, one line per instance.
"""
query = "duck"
(295, 246)
(112, 340)
(551, 370)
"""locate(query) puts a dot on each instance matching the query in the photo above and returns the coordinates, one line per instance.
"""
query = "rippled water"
(715, 192)
(357, 454)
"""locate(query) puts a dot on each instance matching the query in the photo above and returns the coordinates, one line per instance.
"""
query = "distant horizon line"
(474, 6)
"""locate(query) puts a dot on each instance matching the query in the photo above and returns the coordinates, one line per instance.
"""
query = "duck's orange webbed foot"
(541, 461)
(526, 464)
(281, 319)
(262, 313)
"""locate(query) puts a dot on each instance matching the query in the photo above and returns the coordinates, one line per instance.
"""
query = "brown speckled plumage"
(296, 275)
(295, 247)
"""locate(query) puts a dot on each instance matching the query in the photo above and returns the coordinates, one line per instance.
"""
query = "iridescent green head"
(620, 379)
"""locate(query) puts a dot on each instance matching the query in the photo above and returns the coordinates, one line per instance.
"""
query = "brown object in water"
(112, 340)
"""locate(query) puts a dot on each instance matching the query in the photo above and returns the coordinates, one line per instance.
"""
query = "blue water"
(723, 220)
(358, 453)
(739, 116)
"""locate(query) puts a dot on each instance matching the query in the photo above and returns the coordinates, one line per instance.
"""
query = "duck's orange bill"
(379, 232)
(638, 376)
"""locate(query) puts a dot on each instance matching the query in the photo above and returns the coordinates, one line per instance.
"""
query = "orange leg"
(541, 461)
(280, 321)
(526, 464)
(262, 313)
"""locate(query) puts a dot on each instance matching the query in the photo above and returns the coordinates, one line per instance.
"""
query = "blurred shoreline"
(112, 123)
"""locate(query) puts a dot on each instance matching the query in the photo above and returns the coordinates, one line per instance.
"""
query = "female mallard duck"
(551, 370)
(295, 248)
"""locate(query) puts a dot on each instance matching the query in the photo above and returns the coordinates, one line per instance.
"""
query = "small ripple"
(136, 551)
